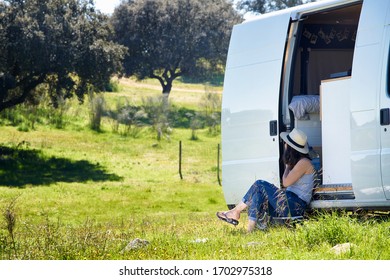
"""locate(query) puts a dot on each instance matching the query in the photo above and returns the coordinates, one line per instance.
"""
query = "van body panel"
(385, 106)
(366, 58)
(250, 104)
(287, 54)
(247, 46)
(372, 20)
(366, 80)
(350, 204)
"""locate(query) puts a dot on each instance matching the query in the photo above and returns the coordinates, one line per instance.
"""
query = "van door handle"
(385, 116)
(273, 128)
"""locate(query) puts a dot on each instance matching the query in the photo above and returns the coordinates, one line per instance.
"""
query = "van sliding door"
(250, 128)
(384, 118)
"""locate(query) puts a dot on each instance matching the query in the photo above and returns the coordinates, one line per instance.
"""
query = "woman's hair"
(292, 156)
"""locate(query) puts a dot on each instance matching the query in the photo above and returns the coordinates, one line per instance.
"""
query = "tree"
(62, 44)
(170, 38)
(265, 6)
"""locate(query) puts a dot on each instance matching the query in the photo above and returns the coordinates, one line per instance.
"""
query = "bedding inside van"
(302, 105)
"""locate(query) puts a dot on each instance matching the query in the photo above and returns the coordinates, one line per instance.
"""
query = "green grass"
(78, 194)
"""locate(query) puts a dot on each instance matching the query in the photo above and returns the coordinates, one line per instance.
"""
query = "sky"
(106, 6)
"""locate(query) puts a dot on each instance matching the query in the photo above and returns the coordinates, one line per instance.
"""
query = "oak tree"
(62, 44)
(170, 38)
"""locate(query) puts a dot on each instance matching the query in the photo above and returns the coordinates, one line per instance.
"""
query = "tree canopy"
(63, 44)
(265, 6)
(170, 38)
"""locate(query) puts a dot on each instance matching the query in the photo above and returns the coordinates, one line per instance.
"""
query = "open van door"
(250, 104)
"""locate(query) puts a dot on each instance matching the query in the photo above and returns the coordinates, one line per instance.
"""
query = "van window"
(325, 47)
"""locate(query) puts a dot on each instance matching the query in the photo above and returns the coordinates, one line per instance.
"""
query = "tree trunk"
(26, 87)
(166, 80)
(167, 87)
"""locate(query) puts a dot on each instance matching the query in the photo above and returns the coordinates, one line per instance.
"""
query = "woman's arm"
(290, 176)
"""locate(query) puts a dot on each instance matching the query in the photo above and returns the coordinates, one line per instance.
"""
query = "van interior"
(322, 51)
(325, 48)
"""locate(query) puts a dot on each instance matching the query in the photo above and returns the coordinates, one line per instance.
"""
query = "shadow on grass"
(21, 167)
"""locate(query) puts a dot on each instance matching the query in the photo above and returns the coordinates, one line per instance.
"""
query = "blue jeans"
(264, 197)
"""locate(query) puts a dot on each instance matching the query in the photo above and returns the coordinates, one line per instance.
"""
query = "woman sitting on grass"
(264, 198)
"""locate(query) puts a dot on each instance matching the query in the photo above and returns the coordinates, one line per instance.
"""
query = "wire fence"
(217, 150)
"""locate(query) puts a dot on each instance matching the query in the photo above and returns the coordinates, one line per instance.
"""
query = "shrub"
(97, 107)
(210, 105)
(157, 111)
(112, 86)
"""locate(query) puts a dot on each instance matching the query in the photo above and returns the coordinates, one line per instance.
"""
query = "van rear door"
(250, 105)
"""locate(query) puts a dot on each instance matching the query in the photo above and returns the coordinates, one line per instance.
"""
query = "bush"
(112, 86)
(210, 111)
(127, 119)
(157, 111)
(46, 110)
(57, 115)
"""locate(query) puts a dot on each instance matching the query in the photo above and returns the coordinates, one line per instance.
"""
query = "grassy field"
(74, 193)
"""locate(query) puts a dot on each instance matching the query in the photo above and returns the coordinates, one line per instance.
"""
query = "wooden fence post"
(219, 179)
(180, 155)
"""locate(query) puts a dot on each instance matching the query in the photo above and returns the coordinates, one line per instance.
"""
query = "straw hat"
(297, 140)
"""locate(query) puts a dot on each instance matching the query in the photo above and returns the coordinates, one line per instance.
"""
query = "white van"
(321, 67)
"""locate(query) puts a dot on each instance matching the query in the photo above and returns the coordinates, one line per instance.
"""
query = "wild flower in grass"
(200, 240)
